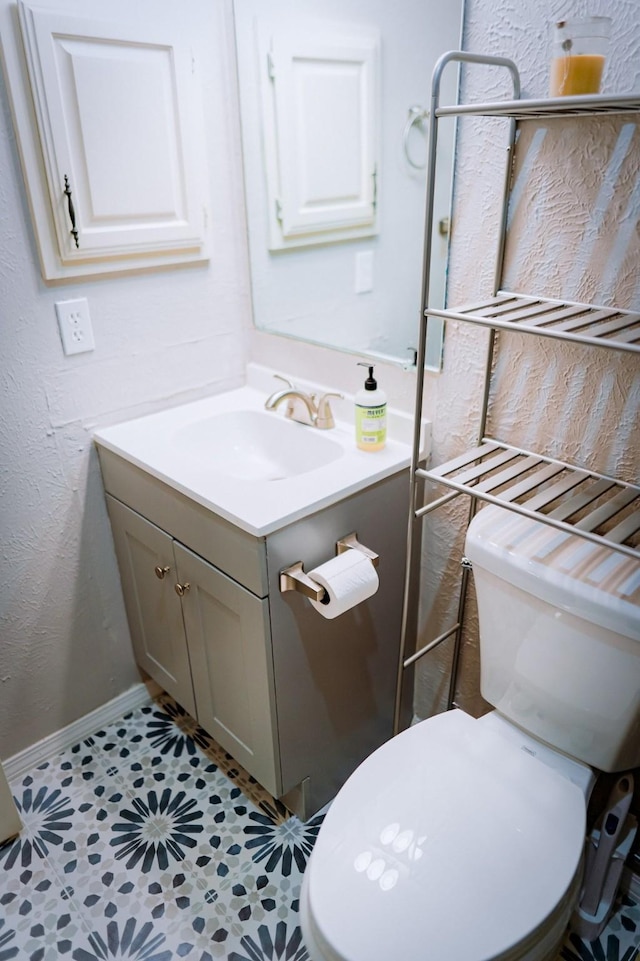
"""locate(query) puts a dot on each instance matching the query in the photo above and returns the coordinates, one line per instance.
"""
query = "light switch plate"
(75, 326)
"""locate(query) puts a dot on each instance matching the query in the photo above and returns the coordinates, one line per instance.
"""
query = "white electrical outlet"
(75, 326)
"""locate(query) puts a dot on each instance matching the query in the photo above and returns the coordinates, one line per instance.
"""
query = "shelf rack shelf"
(598, 508)
(582, 106)
(581, 323)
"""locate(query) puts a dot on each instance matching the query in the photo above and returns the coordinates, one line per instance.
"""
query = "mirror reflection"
(334, 100)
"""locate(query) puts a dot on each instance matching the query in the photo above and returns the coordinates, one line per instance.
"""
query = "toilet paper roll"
(348, 579)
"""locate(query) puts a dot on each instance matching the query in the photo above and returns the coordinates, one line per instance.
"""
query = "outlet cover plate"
(75, 326)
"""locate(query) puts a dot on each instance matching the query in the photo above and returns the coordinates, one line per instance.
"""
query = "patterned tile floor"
(146, 842)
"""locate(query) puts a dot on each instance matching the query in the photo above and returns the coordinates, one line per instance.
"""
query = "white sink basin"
(253, 467)
(253, 445)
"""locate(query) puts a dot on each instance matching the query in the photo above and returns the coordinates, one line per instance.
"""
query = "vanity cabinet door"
(230, 649)
(148, 575)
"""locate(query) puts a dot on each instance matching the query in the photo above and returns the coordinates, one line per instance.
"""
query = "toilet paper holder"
(293, 578)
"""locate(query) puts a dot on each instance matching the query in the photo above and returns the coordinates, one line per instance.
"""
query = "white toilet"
(462, 839)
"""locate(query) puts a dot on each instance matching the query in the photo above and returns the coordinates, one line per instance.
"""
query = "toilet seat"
(449, 841)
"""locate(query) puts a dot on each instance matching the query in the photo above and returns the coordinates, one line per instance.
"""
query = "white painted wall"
(160, 337)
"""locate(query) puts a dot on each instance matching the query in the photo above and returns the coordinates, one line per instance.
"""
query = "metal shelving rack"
(601, 509)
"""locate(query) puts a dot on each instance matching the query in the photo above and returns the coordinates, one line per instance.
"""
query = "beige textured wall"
(573, 233)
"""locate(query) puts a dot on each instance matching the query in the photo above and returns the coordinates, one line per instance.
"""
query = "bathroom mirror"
(333, 101)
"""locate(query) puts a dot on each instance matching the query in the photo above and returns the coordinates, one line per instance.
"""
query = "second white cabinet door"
(231, 663)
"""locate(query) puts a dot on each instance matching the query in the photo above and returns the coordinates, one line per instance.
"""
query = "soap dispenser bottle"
(371, 414)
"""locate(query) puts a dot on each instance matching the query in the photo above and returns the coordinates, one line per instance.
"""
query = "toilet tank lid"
(587, 579)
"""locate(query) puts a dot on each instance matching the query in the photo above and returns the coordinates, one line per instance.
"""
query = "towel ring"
(417, 116)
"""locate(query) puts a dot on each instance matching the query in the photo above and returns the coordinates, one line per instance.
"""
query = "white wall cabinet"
(111, 139)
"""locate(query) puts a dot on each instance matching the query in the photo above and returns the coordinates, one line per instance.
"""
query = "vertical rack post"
(413, 525)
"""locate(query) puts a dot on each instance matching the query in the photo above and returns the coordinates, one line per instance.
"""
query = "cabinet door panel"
(153, 607)
(230, 651)
(117, 113)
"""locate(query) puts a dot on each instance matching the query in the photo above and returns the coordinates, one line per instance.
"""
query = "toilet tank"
(559, 636)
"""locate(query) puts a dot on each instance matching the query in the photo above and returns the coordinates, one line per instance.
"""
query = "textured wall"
(64, 642)
(573, 232)
(160, 338)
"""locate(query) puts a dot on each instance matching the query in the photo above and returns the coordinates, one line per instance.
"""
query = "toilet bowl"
(462, 839)
(451, 841)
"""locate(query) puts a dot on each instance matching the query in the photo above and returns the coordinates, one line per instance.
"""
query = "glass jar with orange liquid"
(578, 55)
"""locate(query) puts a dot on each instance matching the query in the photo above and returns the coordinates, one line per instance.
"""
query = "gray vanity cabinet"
(297, 699)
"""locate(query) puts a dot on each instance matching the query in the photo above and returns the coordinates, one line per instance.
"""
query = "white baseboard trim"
(136, 696)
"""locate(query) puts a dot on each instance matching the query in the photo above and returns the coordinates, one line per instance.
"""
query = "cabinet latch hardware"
(161, 571)
(182, 589)
(72, 213)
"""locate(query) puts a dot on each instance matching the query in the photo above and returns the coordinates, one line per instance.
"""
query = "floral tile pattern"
(620, 940)
(148, 842)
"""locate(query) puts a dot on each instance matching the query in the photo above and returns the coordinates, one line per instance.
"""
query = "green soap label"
(371, 424)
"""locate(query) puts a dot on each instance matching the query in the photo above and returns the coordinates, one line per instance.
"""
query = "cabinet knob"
(161, 571)
(182, 589)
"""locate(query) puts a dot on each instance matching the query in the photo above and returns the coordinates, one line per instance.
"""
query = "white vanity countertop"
(181, 447)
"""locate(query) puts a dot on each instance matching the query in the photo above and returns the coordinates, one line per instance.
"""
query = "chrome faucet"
(302, 407)
(324, 414)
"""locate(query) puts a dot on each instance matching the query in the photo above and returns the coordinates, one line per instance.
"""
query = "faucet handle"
(285, 380)
(324, 416)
